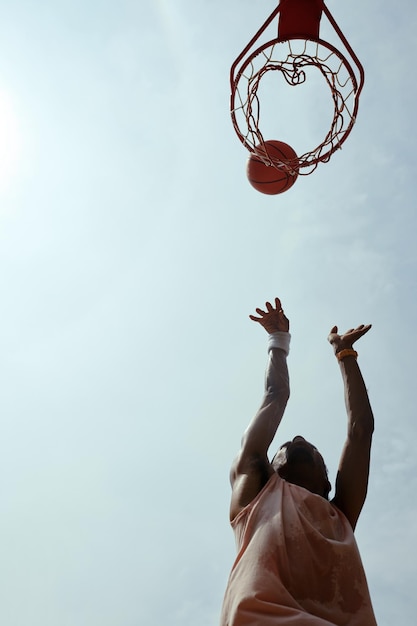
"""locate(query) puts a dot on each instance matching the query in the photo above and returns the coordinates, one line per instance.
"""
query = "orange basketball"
(272, 179)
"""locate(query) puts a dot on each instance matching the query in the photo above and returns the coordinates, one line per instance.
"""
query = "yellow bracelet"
(347, 352)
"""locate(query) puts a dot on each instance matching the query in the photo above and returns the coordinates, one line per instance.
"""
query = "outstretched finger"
(360, 329)
(278, 305)
(255, 319)
(363, 328)
(269, 307)
(356, 333)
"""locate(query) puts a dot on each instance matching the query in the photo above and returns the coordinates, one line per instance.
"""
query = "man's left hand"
(346, 341)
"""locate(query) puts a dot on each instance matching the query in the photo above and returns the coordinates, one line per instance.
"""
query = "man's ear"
(327, 490)
(282, 471)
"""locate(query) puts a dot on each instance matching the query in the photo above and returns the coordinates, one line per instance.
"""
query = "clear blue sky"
(132, 250)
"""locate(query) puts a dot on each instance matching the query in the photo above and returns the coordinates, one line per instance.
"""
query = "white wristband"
(279, 339)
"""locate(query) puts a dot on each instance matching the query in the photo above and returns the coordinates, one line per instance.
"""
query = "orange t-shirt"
(297, 563)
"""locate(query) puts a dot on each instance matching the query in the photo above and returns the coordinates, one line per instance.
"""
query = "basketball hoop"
(296, 52)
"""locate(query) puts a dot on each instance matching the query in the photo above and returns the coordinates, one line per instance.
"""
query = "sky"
(132, 251)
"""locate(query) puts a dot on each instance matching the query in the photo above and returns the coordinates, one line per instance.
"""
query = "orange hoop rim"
(343, 120)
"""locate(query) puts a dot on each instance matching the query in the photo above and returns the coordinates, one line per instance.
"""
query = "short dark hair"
(328, 485)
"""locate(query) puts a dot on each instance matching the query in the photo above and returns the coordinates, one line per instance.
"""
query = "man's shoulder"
(248, 476)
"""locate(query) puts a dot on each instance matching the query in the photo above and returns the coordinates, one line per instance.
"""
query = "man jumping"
(297, 560)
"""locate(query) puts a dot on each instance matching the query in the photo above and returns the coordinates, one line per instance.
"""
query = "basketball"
(272, 179)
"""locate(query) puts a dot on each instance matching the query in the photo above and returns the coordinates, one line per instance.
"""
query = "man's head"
(300, 463)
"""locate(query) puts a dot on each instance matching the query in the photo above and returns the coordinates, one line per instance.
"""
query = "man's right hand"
(273, 319)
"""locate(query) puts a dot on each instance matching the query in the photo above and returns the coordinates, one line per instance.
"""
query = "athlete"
(297, 560)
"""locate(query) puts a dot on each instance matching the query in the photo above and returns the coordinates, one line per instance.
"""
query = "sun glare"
(9, 140)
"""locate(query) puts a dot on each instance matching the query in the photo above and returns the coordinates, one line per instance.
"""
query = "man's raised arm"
(251, 469)
(353, 472)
